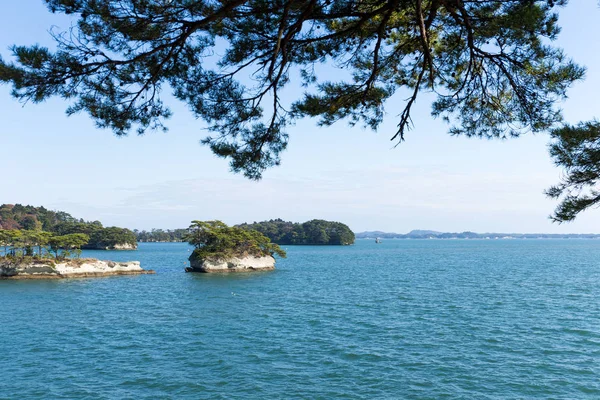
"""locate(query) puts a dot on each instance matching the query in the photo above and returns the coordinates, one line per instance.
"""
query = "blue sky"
(165, 180)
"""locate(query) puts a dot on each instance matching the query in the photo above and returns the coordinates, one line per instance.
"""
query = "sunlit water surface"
(456, 319)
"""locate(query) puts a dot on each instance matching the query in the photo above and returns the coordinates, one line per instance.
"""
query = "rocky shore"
(77, 268)
(123, 246)
(118, 246)
(233, 264)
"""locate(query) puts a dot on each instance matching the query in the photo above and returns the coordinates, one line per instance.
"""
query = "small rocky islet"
(221, 248)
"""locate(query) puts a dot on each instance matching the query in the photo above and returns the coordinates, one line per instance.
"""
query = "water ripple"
(403, 319)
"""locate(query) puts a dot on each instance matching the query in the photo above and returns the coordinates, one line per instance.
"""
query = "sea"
(403, 319)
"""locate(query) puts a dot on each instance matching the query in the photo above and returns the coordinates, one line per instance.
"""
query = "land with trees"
(35, 254)
(313, 232)
(161, 235)
(59, 223)
(30, 244)
(214, 240)
(492, 67)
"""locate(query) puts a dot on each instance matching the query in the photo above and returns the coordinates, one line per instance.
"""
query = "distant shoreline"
(484, 237)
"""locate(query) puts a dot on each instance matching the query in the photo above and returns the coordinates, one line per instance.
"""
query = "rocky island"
(72, 268)
(33, 254)
(220, 248)
(30, 218)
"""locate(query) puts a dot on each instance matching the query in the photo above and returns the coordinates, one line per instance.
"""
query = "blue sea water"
(404, 319)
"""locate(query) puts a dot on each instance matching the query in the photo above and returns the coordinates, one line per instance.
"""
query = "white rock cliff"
(122, 246)
(46, 269)
(233, 264)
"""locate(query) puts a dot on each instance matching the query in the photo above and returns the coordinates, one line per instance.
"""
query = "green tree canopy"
(22, 242)
(491, 65)
(216, 239)
(61, 223)
(31, 223)
(160, 235)
(73, 241)
(9, 238)
(313, 232)
(29, 239)
(577, 149)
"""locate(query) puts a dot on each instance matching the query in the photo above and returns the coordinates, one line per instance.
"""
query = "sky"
(356, 176)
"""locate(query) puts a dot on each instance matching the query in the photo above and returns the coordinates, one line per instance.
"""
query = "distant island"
(313, 232)
(30, 218)
(161, 235)
(427, 234)
(220, 248)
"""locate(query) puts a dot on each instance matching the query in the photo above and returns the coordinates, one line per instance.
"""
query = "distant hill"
(426, 234)
(314, 232)
(418, 232)
(161, 235)
(28, 217)
(372, 234)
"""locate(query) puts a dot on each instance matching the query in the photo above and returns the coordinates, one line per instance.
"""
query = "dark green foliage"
(314, 232)
(100, 237)
(112, 236)
(7, 238)
(30, 223)
(28, 239)
(19, 244)
(69, 244)
(160, 235)
(577, 150)
(214, 239)
(62, 223)
(29, 217)
(490, 64)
